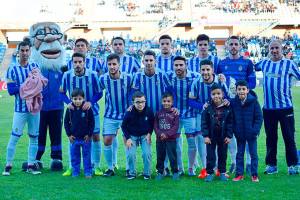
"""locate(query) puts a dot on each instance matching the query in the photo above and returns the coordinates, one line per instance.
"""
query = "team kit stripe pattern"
(90, 63)
(181, 88)
(89, 83)
(117, 92)
(276, 82)
(129, 65)
(194, 63)
(17, 74)
(153, 87)
(165, 64)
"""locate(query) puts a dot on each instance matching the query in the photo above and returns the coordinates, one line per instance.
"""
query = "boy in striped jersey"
(199, 94)
(16, 76)
(181, 80)
(165, 60)
(88, 81)
(236, 68)
(117, 86)
(202, 47)
(278, 106)
(81, 45)
(129, 64)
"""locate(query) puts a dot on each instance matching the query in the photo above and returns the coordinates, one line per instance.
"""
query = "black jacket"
(248, 118)
(79, 123)
(138, 123)
(207, 122)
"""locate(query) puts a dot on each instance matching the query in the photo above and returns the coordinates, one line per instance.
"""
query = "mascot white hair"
(47, 39)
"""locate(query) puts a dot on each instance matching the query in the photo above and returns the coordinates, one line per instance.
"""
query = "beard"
(46, 64)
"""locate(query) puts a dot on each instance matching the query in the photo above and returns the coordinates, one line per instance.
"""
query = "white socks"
(108, 153)
(32, 150)
(11, 149)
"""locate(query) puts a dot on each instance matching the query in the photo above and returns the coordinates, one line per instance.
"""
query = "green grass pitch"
(52, 185)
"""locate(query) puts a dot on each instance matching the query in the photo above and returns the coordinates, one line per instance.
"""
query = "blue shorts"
(198, 123)
(189, 125)
(33, 123)
(97, 124)
(110, 126)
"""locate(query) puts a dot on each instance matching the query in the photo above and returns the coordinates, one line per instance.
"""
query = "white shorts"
(97, 124)
(33, 123)
(110, 126)
(189, 125)
(198, 123)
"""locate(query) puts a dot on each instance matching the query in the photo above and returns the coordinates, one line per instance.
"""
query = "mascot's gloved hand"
(64, 68)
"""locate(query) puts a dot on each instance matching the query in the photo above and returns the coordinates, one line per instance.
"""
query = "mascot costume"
(47, 50)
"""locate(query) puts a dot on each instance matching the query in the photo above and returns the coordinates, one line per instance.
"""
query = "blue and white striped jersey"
(89, 83)
(194, 63)
(153, 87)
(17, 74)
(277, 82)
(165, 64)
(200, 91)
(129, 65)
(90, 63)
(117, 94)
(181, 89)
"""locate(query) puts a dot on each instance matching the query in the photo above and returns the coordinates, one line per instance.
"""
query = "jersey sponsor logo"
(273, 75)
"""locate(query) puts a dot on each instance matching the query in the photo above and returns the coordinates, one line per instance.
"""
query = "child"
(137, 127)
(79, 125)
(247, 122)
(216, 126)
(166, 125)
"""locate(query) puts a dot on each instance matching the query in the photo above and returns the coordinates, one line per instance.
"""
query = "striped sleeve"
(64, 81)
(294, 71)
(136, 66)
(10, 75)
(135, 82)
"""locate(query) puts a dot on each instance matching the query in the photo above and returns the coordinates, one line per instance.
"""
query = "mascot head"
(47, 45)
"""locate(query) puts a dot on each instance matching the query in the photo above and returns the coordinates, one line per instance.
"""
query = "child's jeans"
(211, 156)
(76, 156)
(163, 148)
(240, 156)
(131, 155)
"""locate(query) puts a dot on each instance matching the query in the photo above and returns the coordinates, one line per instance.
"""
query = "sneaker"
(68, 172)
(175, 177)
(209, 178)
(130, 177)
(88, 175)
(167, 172)
(7, 171)
(127, 173)
(191, 172)
(271, 170)
(248, 168)
(180, 172)
(32, 170)
(203, 174)
(147, 177)
(223, 177)
(232, 168)
(115, 167)
(218, 174)
(239, 178)
(109, 173)
(291, 170)
(159, 177)
(254, 178)
(98, 171)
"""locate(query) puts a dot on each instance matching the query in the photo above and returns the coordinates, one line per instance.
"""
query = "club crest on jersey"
(56, 75)
(124, 86)
(157, 82)
(241, 68)
(88, 84)
(226, 67)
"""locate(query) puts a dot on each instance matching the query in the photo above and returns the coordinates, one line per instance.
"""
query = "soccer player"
(129, 64)
(81, 45)
(165, 60)
(16, 76)
(88, 81)
(117, 86)
(236, 68)
(278, 106)
(202, 47)
(181, 80)
(199, 93)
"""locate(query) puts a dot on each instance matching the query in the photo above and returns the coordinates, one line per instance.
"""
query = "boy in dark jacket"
(166, 125)
(79, 125)
(137, 127)
(247, 122)
(216, 126)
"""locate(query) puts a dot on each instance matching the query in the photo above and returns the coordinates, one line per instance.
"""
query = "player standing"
(165, 59)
